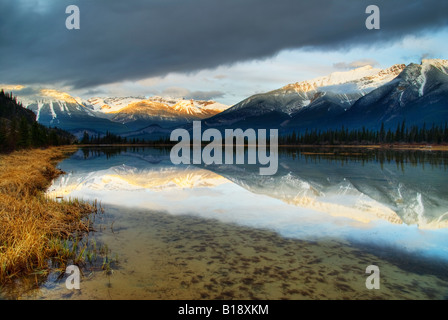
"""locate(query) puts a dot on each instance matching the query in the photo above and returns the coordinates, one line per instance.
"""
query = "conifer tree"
(12, 135)
(85, 138)
(3, 135)
(23, 133)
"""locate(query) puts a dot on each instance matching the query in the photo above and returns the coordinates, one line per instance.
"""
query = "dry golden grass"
(31, 225)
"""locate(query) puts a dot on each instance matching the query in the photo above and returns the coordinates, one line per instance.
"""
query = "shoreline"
(165, 257)
(34, 228)
(420, 147)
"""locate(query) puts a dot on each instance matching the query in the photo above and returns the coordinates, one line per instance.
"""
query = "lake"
(225, 232)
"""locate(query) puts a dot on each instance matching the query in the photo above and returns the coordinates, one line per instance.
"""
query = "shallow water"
(225, 232)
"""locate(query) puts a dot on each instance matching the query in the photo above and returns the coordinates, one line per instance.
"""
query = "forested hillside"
(19, 128)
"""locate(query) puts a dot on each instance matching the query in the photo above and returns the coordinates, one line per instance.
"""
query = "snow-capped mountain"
(339, 89)
(110, 105)
(366, 96)
(115, 104)
(193, 106)
(140, 114)
(55, 108)
(417, 94)
(119, 115)
(360, 79)
(50, 105)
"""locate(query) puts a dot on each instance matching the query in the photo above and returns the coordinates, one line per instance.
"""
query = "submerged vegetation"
(34, 228)
(38, 234)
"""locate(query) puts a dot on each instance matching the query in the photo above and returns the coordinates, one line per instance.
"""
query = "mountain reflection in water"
(393, 198)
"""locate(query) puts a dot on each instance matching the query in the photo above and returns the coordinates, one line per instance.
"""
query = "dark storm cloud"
(25, 92)
(129, 40)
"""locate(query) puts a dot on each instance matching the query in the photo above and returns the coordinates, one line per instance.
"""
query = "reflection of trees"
(407, 181)
(401, 158)
(438, 159)
(109, 152)
(410, 182)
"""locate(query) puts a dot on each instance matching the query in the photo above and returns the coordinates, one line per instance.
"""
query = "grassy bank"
(32, 227)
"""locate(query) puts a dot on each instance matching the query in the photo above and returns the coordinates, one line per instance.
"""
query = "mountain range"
(120, 115)
(417, 94)
(363, 97)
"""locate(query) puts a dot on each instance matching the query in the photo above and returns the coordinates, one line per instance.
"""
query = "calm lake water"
(225, 232)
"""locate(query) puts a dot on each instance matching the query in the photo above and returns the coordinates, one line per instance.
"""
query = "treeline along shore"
(34, 229)
(19, 128)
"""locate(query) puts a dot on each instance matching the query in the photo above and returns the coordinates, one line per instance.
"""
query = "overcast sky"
(208, 49)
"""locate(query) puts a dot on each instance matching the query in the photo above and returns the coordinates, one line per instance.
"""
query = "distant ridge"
(364, 96)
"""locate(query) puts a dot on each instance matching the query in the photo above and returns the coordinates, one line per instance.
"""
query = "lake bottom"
(171, 257)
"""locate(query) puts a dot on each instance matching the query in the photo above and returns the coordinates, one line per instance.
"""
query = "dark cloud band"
(129, 40)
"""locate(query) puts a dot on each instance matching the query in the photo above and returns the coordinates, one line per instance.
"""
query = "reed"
(34, 228)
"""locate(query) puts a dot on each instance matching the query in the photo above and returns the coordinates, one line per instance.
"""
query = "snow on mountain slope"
(187, 107)
(362, 79)
(334, 93)
(335, 78)
(57, 108)
(440, 64)
(51, 105)
(58, 96)
(115, 104)
(210, 105)
(427, 64)
(418, 95)
(361, 95)
(381, 78)
(201, 104)
(110, 105)
(150, 111)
